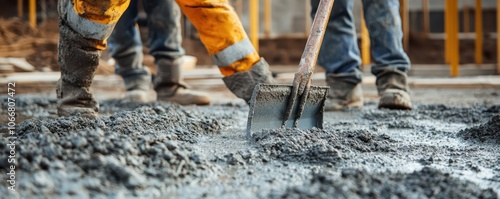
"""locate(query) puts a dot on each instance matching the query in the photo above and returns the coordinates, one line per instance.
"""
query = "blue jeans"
(164, 36)
(339, 52)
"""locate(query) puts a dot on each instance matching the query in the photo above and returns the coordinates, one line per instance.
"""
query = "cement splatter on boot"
(170, 87)
(393, 89)
(343, 93)
(73, 101)
(78, 59)
(138, 86)
(242, 84)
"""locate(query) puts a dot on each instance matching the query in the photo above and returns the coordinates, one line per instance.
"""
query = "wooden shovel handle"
(311, 50)
(301, 81)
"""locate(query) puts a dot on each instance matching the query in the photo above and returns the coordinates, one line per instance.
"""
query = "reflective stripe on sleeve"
(233, 53)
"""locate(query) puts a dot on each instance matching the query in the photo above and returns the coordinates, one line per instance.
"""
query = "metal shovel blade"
(269, 102)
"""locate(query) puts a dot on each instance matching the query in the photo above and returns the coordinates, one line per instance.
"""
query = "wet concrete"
(133, 153)
(160, 150)
(326, 147)
(488, 132)
(355, 183)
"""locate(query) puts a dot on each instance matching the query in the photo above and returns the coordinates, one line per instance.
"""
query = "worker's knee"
(101, 11)
(94, 19)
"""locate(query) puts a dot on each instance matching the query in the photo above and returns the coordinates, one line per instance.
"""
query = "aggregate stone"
(162, 150)
(487, 132)
(327, 145)
(133, 150)
(358, 183)
(441, 112)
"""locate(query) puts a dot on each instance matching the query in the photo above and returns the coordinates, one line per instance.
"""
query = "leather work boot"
(139, 87)
(242, 84)
(75, 100)
(78, 60)
(169, 86)
(393, 89)
(343, 93)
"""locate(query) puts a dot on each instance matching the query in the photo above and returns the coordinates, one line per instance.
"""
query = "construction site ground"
(448, 146)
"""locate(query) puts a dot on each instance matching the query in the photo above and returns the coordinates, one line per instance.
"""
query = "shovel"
(299, 105)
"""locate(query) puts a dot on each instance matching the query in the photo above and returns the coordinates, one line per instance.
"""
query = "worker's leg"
(391, 62)
(84, 27)
(125, 47)
(339, 55)
(164, 35)
(165, 44)
(226, 41)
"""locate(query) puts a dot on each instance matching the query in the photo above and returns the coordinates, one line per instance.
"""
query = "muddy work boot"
(169, 86)
(138, 86)
(393, 89)
(242, 84)
(343, 93)
(78, 60)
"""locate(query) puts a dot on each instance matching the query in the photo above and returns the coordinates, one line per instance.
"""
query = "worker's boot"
(242, 84)
(138, 87)
(393, 89)
(343, 93)
(78, 60)
(170, 87)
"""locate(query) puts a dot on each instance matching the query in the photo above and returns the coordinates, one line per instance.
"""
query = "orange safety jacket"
(218, 25)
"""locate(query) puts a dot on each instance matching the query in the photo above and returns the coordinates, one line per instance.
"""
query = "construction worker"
(165, 44)
(340, 56)
(85, 25)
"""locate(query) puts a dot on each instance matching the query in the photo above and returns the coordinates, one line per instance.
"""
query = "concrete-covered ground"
(447, 147)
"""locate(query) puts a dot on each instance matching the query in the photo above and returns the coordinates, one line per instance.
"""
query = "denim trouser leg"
(165, 39)
(339, 52)
(125, 44)
(384, 25)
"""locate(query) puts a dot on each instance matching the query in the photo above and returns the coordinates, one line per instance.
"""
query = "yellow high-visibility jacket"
(219, 27)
